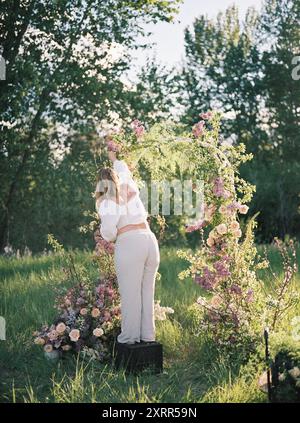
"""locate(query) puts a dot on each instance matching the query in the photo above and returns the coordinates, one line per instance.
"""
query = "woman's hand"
(112, 156)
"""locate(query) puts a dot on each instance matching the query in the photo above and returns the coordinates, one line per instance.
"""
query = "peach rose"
(234, 226)
(107, 315)
(48, 348)
(237, 233)
(39, 341)
(212, 234)
(209, 212)
(95, 312)
(60, 328)
(98, 332)
(210, 241)
(221, 229)
(83, 311)
(294, 372)
(53, 335)
(74, 335)
(243, 209)
(215, 301)
(223, 209)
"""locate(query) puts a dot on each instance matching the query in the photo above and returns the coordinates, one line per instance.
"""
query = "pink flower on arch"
(249, 296)
(222, 268)
(218, 187)
(138, 128)
(208, 280)
(206, 115)
(243, 209)
(136, 123)
(198, 129)
(209, 211)
(113, 146)
(235, 289)
(196, 226)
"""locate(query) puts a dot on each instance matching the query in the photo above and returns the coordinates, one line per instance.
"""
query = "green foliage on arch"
(169, 150)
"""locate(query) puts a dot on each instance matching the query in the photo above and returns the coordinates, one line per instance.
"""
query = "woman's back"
(127, 211)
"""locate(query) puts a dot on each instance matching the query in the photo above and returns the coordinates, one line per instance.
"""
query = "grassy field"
(193, 370)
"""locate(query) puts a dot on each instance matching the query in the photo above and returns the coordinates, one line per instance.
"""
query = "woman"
(124, 220)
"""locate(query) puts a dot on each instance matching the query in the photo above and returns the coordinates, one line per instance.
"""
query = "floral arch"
(226, 261)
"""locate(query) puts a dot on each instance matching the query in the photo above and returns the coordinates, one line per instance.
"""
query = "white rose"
(98, 332)
(294, 372)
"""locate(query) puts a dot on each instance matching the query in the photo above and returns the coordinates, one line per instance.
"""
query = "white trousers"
(136, 260)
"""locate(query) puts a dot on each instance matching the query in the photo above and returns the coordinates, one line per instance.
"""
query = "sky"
(170, 36)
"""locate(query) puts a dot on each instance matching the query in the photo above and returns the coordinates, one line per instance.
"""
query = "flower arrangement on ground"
(89, 313)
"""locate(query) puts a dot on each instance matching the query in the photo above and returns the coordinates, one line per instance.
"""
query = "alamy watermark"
(295, 323)
(165, 197)
(2, 329)
(296, 69)
(2, 68)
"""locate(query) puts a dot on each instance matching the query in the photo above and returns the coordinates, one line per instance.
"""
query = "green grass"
(193, 370)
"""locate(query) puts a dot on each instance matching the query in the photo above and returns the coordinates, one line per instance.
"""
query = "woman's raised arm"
(128, 187)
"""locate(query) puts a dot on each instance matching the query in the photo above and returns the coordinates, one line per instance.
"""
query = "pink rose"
(243, 209)
(98, 332)
(237, 233)
(53, 335)
(74, 335)
(221, 229)
(95, 312)
(60, 328)
(106, 315)
(210, 241)
(223, 209)
(234, 226)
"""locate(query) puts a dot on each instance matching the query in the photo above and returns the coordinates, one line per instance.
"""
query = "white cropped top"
(114, 216)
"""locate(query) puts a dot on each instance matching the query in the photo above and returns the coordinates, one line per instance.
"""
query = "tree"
(245, 69)
(281, 38)
(153, 98)
(64, 62)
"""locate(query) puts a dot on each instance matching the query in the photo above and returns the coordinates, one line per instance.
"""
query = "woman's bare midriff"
(132, 227)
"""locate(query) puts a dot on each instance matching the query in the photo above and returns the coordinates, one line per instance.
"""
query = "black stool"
(138, 356)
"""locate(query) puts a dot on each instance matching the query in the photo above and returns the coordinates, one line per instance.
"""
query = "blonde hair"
(107, 184)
